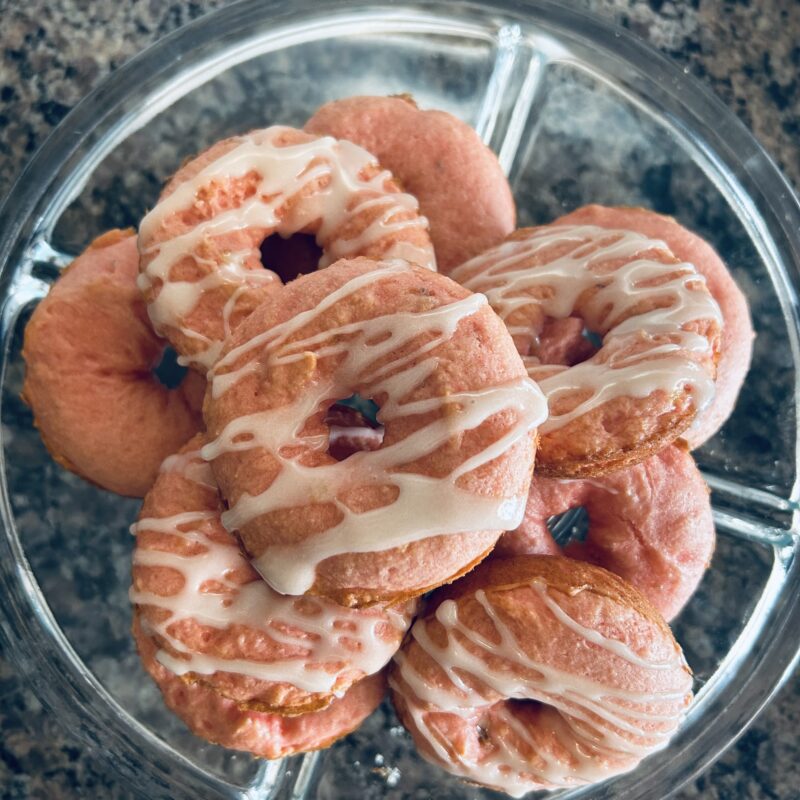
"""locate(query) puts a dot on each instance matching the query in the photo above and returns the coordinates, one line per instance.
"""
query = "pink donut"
(201, 258)
(650, 524)
(440, 160)
(660, 329)
(89, 355)
(217, 719)
(539, 672)
(216, 623)
(458, 413)
(737, 334)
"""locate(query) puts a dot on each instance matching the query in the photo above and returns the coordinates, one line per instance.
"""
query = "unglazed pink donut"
(650, 524)
(737, 333)
(89, 354)
(219, 720)
(459, 418)
(201, 264)
(216, 623)
(661, 336)
(539, 672)
(440, 160)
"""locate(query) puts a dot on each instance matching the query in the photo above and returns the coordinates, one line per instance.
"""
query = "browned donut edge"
(559, 572)
(592, 467)
(363, 598)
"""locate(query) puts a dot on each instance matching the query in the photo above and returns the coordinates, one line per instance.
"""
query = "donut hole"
(353, 426)
(566, 342)
(292, 256)
(168, 372)
(594, 339)
(571, 526)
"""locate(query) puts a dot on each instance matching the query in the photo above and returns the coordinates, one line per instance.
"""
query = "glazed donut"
(609, 682)
(660, 326)
(737, 333)
(89, 356)
(650, 524)
(440, 160)
(201, 267)
(219, 720)
(458, 413)
(215, 622)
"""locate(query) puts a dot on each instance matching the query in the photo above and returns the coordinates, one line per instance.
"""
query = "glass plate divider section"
(511, 93)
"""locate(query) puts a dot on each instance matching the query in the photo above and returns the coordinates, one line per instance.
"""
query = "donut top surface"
(205, 232)
(210, 612)
(660, 325)
(737, 333)
(454, 401)
(437, 157)
(90, 356)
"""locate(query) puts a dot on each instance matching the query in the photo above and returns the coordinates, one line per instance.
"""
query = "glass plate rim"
(779, 217)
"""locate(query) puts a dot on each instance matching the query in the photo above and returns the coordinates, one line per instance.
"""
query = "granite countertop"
(53, 53)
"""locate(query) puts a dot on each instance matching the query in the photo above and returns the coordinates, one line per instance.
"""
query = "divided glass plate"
(578, 112)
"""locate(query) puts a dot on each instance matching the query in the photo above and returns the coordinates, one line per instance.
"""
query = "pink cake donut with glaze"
(650, 524)
(660, 331)
(459, 419)
(89, 354)
(737, 334)
(201, 260)
(440, 160)
(221, 721)
(216, 623)
(539, 672)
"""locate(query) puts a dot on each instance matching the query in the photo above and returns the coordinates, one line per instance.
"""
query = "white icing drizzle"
(642, 352)
(285, 173)
(425, 506)
(329, 640)
(191, 467)
(602, 729)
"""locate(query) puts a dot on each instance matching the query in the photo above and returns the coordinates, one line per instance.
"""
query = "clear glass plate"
(578, 112)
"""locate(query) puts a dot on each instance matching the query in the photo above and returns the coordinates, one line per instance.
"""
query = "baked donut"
(539, 672)
(440, 160)
(219, 720)
(737, 333)
(459, 417)
(201, 265)
(650, 524)
(661, 335)
(215, 622)
(89, 357)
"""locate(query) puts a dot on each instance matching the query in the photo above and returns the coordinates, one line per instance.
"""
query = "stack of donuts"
(376, 360)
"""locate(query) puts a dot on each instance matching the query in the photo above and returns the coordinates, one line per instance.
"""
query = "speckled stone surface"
(53, 53)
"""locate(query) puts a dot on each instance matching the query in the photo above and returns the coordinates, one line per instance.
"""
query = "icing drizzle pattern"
(587, 730)
(325, 640)
(424, 506)
(642, 352)
(322, 182)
